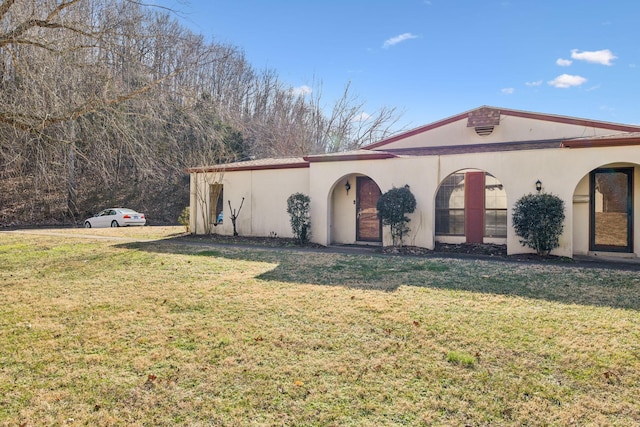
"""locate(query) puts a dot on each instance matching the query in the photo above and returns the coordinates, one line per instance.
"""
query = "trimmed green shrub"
(298, 209)
(392, 209)
(538, 220)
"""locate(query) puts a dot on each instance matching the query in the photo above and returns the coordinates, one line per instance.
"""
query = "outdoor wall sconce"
(538, 186)
(347, 186)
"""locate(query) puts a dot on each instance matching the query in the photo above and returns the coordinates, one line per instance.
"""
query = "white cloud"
(603, 57)
(566, 80)
(536, 83)
(362, 117)
(398, 39)
(564, 62)
(508, 90)
(301, 90)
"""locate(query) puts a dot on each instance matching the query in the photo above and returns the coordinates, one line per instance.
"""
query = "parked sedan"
(115, 217)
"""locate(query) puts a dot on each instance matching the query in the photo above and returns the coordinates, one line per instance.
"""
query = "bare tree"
(108, 102)
(348, 125)
(74, 68)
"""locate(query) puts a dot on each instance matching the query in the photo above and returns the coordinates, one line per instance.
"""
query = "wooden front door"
(611, 210)
(474, 206)
(368, 225)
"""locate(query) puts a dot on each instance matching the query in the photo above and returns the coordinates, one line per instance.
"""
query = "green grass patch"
(462, 359)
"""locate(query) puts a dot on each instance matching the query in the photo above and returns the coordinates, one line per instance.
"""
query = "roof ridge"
(507, 112)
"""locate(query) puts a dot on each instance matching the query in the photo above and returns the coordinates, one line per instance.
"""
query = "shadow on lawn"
(577, 283)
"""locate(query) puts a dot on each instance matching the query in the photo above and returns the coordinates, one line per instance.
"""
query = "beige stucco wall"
(329, 176)
(265, 193)
(511, 129)
(562, 172)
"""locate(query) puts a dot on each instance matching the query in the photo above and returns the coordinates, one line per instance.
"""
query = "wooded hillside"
(107, 102)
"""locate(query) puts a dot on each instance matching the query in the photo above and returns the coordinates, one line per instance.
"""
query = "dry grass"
(106, 332)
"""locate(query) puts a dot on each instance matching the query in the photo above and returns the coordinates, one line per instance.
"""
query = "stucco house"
(466, 172)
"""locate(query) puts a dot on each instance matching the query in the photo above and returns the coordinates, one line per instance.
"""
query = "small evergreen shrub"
(538, 220)
(392, 209)
(183, 219)
(298, 209)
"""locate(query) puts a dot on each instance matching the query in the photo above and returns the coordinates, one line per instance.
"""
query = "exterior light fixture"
(347, 186)
(538, 186)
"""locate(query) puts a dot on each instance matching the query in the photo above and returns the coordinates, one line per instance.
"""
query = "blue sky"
(432, 59)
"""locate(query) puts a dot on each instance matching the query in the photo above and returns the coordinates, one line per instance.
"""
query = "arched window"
(473, 204)
(450, 206)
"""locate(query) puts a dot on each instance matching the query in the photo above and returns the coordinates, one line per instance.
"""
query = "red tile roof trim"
(349, 157)
(231, 168)
(602, 142)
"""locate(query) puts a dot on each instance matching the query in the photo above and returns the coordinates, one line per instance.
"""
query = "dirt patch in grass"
(497, 251)
(275, 242)
(472, 248)
(488, 250)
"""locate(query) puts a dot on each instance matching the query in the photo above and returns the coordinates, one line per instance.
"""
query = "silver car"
(115, 217)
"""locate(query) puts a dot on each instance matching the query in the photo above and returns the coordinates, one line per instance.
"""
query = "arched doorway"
(354, 216)
(605, 210)
(471, 207)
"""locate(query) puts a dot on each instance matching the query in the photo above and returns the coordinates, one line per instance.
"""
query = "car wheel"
(87, 224)
(114, 223)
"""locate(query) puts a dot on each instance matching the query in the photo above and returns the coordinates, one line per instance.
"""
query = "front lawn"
(98, 328)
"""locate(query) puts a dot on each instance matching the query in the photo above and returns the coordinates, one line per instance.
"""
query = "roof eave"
(601, 142)
(229, 168)
(349, 157)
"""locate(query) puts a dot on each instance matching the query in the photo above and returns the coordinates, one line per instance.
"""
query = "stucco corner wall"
(264, 208)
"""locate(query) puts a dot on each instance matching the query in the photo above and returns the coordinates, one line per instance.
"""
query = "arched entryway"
(471, 207)
(604, 211)
(354, 216)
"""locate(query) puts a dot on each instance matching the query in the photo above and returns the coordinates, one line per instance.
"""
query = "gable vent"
(484, 130)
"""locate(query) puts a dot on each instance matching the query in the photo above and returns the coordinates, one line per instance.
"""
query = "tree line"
(107, 102)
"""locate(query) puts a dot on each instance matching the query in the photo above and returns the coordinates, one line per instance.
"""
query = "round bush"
(392, 209)
(538, 220)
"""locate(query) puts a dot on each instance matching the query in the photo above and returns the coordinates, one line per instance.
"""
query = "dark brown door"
(368, 226)
(611, 206)
(474, 206)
